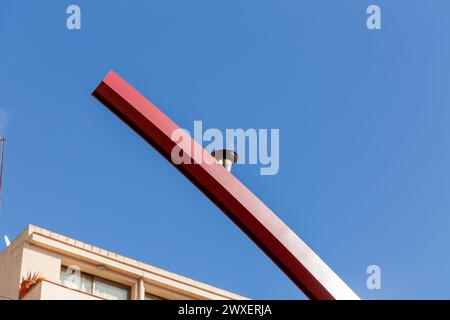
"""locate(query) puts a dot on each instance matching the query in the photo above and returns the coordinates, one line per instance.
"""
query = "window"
(74, 279)
(110, 290)
(149, 296)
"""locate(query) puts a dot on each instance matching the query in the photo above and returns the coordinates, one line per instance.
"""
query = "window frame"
(94, 278)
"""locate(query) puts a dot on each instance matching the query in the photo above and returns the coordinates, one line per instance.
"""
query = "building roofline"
(53, 241)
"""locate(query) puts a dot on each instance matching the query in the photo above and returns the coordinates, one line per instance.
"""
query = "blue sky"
(364, 133)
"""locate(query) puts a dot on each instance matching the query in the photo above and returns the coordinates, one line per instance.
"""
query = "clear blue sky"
(363, 116)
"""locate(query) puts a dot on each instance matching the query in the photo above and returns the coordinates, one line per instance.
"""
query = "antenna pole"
(2, 141)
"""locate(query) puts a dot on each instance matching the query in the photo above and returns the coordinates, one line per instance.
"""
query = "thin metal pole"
(3, 141)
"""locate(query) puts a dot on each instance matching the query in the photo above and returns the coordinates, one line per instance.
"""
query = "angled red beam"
(247, 211)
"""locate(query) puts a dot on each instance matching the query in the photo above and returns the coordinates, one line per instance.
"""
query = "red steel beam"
(248, 212)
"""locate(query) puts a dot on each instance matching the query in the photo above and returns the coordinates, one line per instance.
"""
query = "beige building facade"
(72, 270)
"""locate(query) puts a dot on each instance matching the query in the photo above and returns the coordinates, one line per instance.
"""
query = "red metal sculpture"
(248, 212)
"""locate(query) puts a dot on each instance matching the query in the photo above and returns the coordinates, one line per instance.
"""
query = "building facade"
(67, 269)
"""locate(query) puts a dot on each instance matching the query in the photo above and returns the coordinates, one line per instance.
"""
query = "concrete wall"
(35, 259)
(11, 267)
(46, 290)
